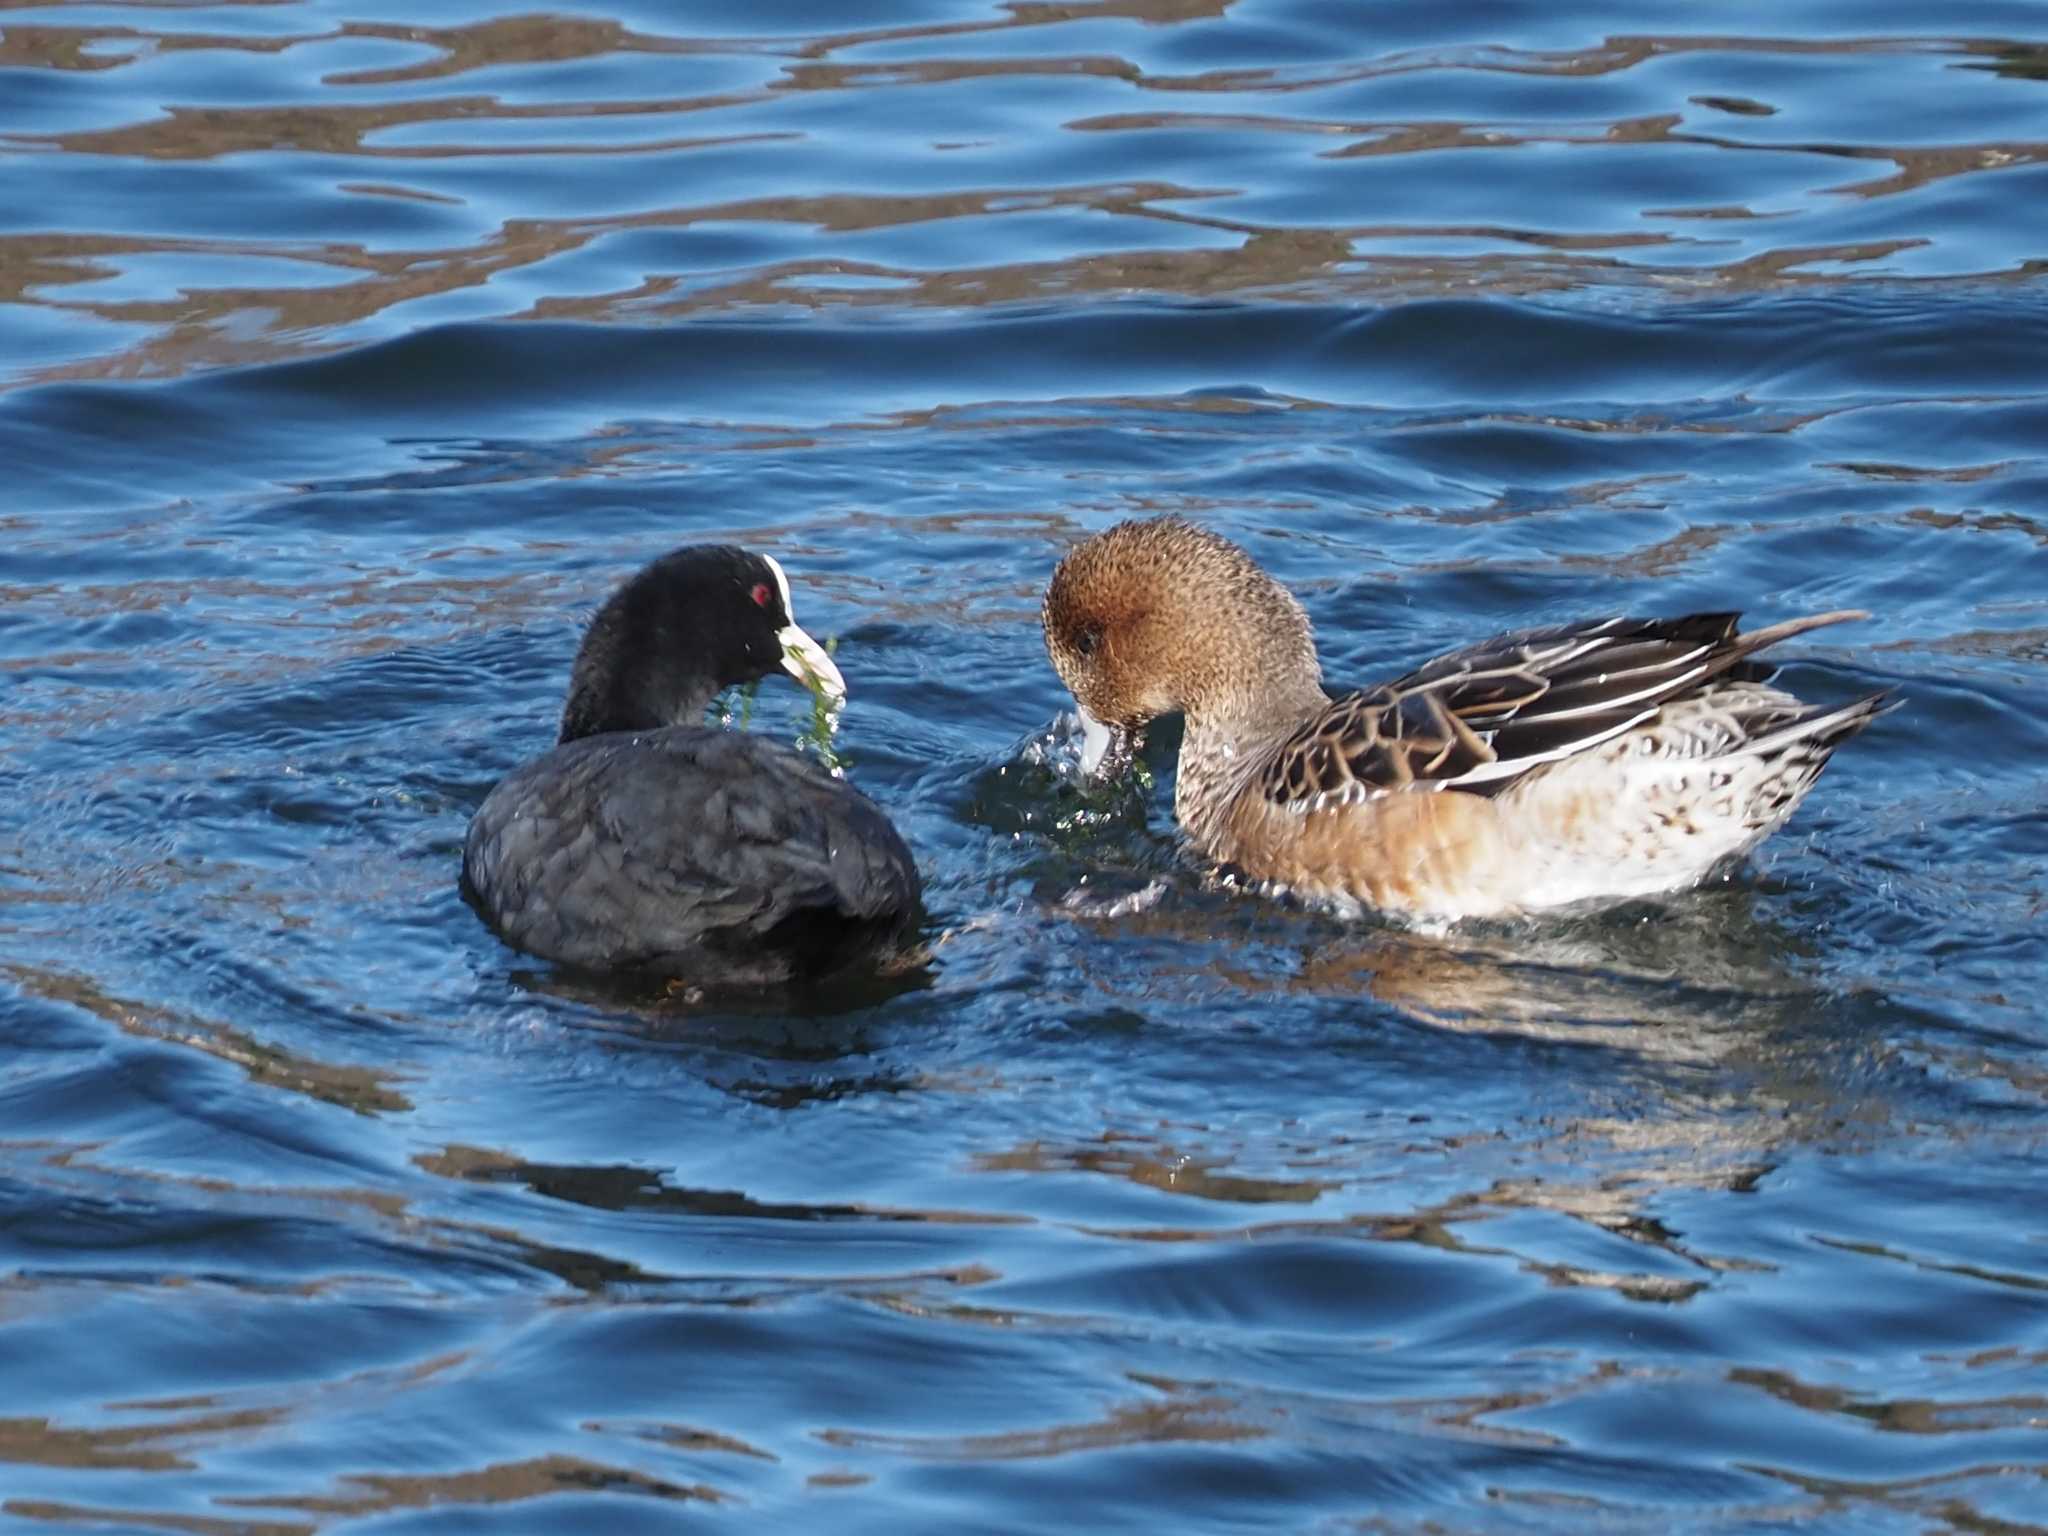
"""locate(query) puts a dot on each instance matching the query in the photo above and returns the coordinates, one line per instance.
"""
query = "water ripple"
(519, 166)
(347, 358)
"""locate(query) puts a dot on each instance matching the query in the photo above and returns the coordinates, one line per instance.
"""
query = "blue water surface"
(349, 355)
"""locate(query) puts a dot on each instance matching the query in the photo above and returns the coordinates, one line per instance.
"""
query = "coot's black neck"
(649, 659)
(633, 699)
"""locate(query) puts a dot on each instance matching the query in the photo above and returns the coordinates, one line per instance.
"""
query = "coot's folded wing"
(685, 849)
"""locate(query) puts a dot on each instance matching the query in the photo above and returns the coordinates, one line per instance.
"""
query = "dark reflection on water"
(1139, 1202)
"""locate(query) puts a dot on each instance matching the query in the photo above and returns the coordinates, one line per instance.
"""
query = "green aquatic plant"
(824, 722)
(733, 709)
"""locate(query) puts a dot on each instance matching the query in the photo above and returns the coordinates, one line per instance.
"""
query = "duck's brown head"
(1158, 616)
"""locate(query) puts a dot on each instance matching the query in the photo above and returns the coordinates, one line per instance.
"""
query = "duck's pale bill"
(1096, 741)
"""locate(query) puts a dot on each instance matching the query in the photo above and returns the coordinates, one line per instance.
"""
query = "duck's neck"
(1224, 741)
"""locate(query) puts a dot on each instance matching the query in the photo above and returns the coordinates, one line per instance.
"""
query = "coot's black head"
(697, 620)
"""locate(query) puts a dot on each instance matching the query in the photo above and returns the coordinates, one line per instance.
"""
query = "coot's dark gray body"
(648, 842)
(701, 854)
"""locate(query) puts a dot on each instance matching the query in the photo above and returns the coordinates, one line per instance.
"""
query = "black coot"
(647, 841)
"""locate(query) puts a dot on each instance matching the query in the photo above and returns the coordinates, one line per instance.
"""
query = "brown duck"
(1615, 758)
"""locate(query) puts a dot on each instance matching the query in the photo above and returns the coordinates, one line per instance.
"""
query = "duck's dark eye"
(1086, 639)
(761, 593)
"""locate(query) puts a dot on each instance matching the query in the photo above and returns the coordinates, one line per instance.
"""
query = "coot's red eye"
(762, 592)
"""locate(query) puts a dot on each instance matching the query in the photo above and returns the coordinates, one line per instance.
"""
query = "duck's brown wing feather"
(1479, 718)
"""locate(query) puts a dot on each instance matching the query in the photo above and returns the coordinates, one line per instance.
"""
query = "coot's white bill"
(802, 657)
(805, 660)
